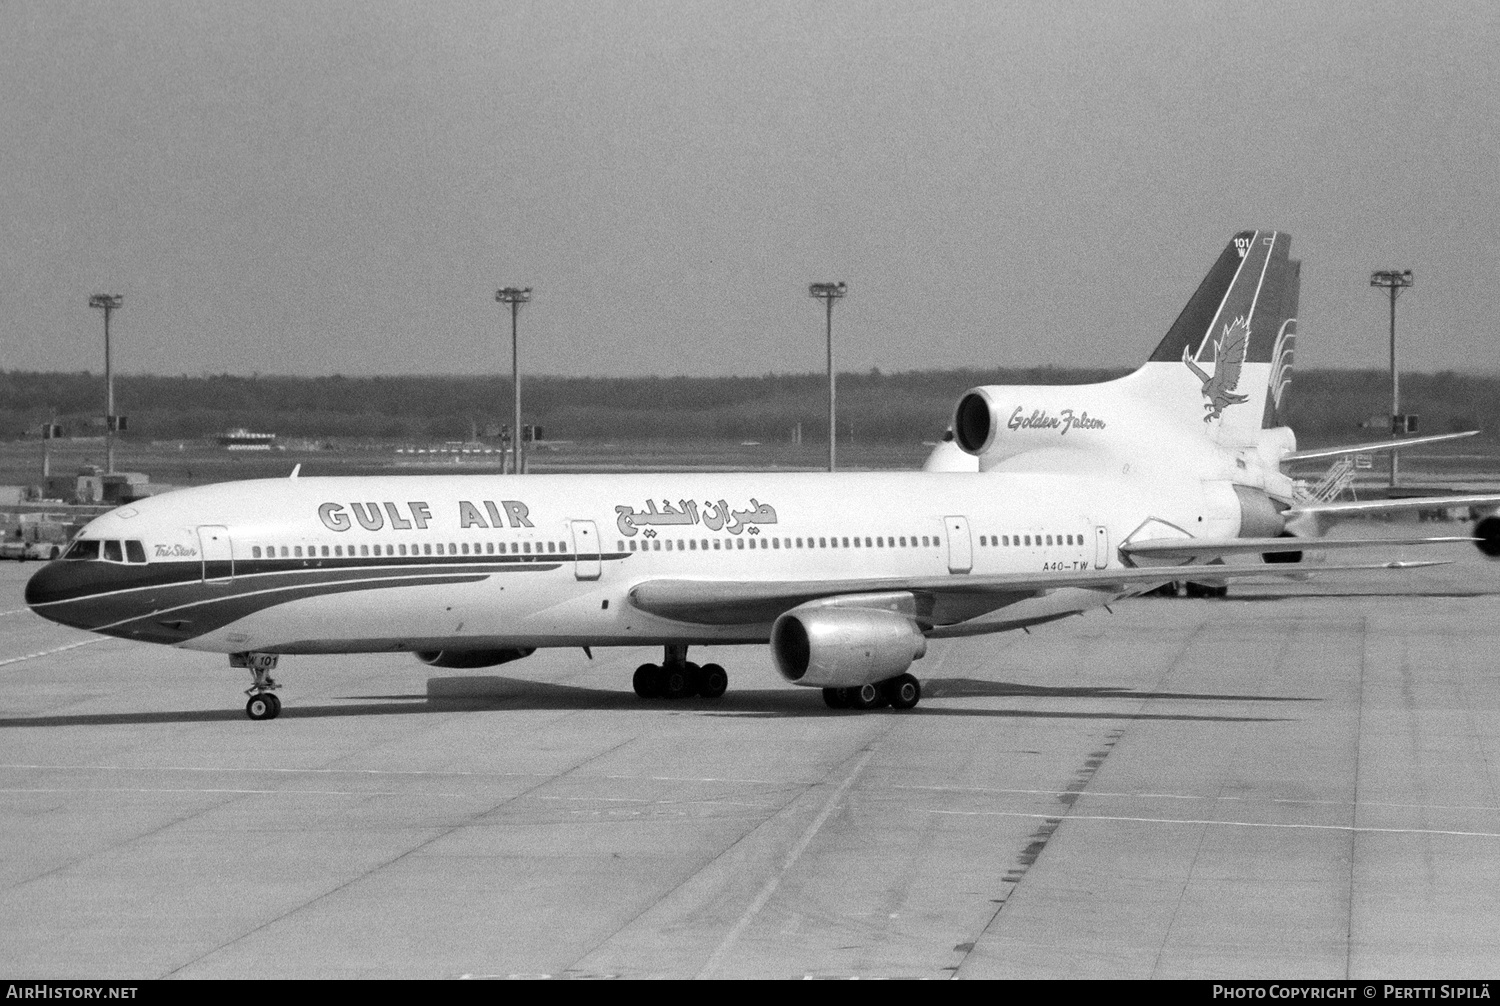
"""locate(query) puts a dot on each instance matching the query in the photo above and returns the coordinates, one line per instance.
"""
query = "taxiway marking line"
(14, 611)
(832, 804)
(982, 790)
(257, 770)
(1226, 824)
(658, 803)
(48, 653)
(233, 792)
(1278, 801)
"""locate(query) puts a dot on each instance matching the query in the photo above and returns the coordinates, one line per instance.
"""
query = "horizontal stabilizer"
(753, 602)
(1203, 548)
(1377, 445)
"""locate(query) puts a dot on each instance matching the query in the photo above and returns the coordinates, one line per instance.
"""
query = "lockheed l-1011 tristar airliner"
(1073, 497)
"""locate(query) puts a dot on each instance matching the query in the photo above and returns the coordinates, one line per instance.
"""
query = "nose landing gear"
(263, 704)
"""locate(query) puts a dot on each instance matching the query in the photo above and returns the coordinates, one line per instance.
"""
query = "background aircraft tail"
(1237, 337)
(1221, 375)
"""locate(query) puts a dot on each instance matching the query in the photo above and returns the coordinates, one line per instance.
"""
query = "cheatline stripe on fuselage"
(214, 612)
(237, 606)
(160, 575)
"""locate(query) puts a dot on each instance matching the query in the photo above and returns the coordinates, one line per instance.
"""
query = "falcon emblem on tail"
(1229, 359)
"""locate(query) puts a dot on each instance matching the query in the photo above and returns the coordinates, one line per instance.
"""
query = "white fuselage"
(549, 560)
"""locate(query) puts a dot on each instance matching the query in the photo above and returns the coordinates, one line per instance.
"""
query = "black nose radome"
(56, 581)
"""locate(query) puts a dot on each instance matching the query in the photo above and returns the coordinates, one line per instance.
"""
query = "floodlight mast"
(1394, 280)
(108, 302)
(515, 297)
(828, 293)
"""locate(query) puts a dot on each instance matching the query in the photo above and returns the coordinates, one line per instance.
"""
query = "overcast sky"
(324, 187)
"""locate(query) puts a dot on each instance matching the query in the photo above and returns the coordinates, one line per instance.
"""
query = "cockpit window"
(109, 551)
(83, 549)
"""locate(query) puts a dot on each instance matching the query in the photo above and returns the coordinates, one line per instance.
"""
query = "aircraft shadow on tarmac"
(499, 694)
(959, 688)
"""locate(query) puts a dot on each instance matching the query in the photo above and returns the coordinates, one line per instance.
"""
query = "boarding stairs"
(1339, 477)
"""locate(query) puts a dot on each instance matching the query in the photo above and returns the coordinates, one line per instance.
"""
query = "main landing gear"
(675, 678)
(263, 704)
(900, 692)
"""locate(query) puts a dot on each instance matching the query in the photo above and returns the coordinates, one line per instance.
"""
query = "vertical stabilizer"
(1218, 380)
(1236, 336)
(1284, 349)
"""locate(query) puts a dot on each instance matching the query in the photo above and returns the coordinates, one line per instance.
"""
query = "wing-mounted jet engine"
(857, 648)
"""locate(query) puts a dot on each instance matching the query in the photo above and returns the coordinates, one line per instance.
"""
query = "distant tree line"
(1325, 405)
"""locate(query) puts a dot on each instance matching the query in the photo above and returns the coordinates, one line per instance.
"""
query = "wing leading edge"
(1373, 446)
(752, 602)
(1312, 519)
(1207, 548)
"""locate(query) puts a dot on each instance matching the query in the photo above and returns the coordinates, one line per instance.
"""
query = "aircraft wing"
(1207, 548)
(1312, 519)
(752, 602)
(1377, 445)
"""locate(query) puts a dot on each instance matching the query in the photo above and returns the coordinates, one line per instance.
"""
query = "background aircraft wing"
(1312, 519)
(1208, 548)
(753, 602)
(1377, 445)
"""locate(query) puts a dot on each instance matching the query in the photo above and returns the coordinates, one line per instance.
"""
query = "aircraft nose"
(53, 582)
(60, 591)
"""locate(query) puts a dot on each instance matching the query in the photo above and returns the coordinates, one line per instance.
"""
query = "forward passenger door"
(586, 550)
(217, 552)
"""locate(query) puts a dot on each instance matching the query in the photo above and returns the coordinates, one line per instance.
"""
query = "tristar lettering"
(376, 516)
(1041, 419)
(175, 552)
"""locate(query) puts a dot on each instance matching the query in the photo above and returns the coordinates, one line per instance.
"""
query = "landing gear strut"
(263, 704)
(675, 678)
(901, 692)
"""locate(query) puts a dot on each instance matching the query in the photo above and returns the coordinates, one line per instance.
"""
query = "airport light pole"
(108, 302)
(828, 293)
(1394, 281)
(515, 297)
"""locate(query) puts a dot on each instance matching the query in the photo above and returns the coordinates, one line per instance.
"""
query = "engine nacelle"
(1487, 530)
(825, 646)
(472, 658)
(974, 424)
(1260, 515)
